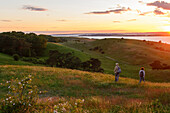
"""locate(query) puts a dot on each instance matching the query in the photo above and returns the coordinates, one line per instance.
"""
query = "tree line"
(68, 60)
(28, 45)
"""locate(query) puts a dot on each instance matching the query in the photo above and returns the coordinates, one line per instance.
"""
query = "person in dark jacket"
(142, 75)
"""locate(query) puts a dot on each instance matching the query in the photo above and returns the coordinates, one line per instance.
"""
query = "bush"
(16, 57)
(22, 96)
(34, 60)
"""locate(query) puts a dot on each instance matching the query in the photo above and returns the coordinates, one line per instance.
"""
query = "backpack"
(119, 70)
(141, 74)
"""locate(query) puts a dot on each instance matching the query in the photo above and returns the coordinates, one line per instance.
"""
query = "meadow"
(100, 92)
(130, 54)
(97, 92)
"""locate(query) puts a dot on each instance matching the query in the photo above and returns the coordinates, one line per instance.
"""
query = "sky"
(85, 16)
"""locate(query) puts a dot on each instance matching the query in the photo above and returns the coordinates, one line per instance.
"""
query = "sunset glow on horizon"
(92, 16)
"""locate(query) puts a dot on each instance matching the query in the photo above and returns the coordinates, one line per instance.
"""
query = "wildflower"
(83, 100)
(21, 87)
(14, 104)
(29, 104)
(6, 98)
(75, 103)
(19, 82)
(40, 91)
(13, 88)
(9, 87)
(23, 84)
(63, 109)
(7, 82)
(10, 101)
(29, 75)
(9, 97)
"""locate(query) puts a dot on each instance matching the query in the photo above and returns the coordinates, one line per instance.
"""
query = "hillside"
(131, 54)
(8, 60)
(99, 90)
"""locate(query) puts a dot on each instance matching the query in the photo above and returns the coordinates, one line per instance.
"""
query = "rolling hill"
(131, 54)
(100, 92)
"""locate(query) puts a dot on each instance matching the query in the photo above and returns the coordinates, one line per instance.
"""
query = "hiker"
(142, 74)
(117, 70)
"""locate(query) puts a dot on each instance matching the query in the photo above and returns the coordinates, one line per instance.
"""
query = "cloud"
(99, 12)
(5, 20)
(145, 13)
(158, 12)
(160, 4)
(116, 21)
(32, 8)
(131, 20)
(141, 2)
(62, 20)
(116, 11)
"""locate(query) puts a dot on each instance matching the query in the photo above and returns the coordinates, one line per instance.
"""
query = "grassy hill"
(131, 54)
(64, 49)
(100, 92)
(8, 60)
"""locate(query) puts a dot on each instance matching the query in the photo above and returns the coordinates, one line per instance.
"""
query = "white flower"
(10, 101)
(23, 84)
(40, 91)
(19, 82)
(7, 82)
(13, 103)
(9, 87)
(21, 87)
(6, 98)
(75, 103)
(9, 97)
(64, 109)
(29, 104)
(83, 100)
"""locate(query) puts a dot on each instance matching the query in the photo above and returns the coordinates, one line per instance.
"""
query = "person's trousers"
(116, 77)
(141, 79)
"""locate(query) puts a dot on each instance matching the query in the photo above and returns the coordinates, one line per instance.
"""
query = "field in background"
(131, 54)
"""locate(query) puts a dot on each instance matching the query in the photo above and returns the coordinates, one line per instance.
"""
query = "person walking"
(117, 70)
(142, 75)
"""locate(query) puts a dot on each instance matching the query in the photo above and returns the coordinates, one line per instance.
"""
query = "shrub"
(16, 57)
(21, 97)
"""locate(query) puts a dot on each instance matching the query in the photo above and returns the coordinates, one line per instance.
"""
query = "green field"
(8, 60)
(98, 90)
(64, 49)
(131, 54)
